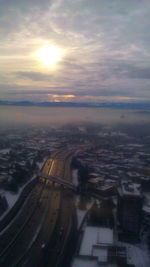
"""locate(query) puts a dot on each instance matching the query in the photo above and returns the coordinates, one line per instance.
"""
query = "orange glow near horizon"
(61, 96)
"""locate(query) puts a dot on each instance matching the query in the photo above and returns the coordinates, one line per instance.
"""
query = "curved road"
(39, 233)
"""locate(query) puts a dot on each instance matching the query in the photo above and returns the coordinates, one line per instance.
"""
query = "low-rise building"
(97, 249)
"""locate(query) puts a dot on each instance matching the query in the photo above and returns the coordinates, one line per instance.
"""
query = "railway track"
(10, 231)
(54, 210)
(9, 237)
(44, 203)
(14, 233)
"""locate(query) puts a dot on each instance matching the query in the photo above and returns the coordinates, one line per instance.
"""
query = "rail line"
(54, 166)
(53, 209)
(22, 226)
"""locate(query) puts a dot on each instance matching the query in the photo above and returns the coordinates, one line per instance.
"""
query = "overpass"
(71, 186)
(58, 180)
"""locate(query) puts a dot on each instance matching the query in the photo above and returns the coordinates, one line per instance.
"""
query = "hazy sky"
(104, 45)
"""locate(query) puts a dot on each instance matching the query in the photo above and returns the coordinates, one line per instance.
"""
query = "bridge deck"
(58, 180)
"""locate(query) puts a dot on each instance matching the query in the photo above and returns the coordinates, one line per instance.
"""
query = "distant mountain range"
(145, 104)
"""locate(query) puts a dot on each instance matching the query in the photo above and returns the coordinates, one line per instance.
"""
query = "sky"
(103, 45)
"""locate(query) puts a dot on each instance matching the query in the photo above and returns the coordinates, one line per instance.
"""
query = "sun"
(49, 55)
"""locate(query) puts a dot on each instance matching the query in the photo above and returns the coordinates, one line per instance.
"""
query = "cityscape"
(75, 195)
(74, 133)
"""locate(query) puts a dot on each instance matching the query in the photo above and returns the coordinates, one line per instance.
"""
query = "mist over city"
(56, 116)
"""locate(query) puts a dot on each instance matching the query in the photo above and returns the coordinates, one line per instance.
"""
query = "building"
(97, 249)
(146, 211)
(130, 207)
(101, 214)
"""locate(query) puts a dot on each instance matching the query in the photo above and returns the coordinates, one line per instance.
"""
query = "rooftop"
(129, 188)
(95, 236)
(83, 261)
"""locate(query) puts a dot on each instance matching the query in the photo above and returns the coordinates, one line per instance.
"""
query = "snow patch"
(5, 151)
(75, 177)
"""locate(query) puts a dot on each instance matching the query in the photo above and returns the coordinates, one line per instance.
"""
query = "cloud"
(106, 44)
(18, 11)
(34, 76)
(139, 73)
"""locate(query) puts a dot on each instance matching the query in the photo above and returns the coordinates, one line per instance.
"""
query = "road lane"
(26, 248)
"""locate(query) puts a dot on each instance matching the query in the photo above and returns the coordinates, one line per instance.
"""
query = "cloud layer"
(106, 46)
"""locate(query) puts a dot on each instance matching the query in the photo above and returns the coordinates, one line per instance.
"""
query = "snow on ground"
(136, 255)
(82, 213)
(79, 262)
(5, 151)
(80, 216)
(75, 177)
(11, 198)
(40, 164)
(93, 236)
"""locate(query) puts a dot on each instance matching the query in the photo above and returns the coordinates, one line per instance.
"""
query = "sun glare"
(49, 55)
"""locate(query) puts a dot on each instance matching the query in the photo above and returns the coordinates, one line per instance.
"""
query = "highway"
(38, 235)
